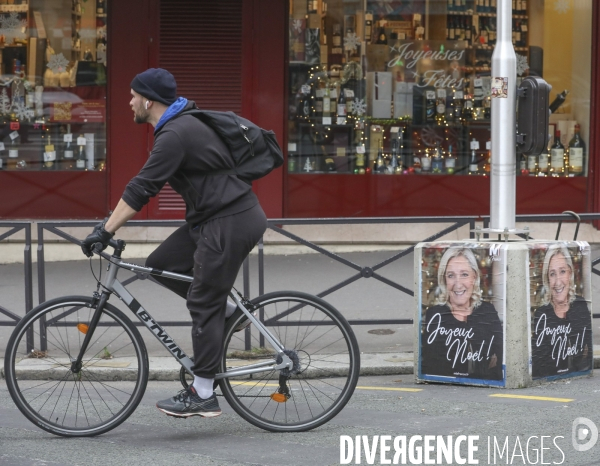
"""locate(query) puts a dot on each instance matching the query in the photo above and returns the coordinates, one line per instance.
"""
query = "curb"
(165, 369)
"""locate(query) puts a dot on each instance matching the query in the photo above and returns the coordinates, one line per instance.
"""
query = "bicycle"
(294, 372)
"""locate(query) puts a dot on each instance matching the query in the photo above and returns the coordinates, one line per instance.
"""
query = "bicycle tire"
(322, 381)
(37, 372)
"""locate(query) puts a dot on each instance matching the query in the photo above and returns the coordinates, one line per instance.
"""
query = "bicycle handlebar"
(117, 244)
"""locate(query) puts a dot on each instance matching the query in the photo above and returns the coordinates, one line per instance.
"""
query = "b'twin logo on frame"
(161, 334)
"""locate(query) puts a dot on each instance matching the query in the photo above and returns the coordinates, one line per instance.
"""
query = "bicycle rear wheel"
(42, 384)
(326, 363)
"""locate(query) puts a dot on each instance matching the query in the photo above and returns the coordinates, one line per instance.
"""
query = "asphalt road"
(386, 405)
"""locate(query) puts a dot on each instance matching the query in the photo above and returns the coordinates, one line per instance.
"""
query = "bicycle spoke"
(313, 335)
(81, 403)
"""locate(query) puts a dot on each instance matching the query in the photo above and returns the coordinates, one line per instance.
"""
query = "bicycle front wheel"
(70, 403)
(326, 359)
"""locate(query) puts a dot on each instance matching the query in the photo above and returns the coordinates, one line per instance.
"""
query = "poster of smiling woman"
(561, 323)
(461, 296)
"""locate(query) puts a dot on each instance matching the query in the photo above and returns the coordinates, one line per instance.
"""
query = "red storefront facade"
(234, 56)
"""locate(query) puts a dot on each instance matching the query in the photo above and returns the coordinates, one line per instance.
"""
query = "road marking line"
(392, 389)
(530, 397)
(358, 388)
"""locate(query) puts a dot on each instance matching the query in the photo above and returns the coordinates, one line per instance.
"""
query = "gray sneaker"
(187, 403)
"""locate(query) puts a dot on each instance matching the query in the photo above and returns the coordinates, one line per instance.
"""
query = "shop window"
(53, 85)
(405, 87)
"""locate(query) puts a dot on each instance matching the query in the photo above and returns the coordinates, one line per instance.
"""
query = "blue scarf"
(171, 111)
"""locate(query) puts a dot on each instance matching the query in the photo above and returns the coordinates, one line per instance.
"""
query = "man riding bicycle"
(224, 221)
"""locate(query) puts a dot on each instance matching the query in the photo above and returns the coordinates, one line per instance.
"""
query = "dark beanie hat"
(157, 85)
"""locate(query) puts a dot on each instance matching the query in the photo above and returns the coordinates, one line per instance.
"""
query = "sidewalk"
(385, 348)
(167, 369)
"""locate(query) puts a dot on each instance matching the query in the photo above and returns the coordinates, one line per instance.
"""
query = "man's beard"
(141, 117)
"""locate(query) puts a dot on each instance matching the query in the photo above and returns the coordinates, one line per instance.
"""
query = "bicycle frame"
(114, 286)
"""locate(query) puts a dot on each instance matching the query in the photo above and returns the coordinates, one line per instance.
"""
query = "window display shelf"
(16, 8)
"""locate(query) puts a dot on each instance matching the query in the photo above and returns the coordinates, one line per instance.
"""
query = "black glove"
(97, 241)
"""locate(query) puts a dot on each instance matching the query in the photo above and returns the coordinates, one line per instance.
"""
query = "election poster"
(561, 319)
(462, 313)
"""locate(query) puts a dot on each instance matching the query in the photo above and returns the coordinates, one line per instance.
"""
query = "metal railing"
(16, 227)
(277, 225)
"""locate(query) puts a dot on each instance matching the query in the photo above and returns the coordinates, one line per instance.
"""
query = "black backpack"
(255, 151)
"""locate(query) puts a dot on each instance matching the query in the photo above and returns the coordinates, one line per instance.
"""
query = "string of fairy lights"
(453, 119)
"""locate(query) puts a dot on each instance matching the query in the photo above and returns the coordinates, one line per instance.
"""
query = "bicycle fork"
(76, 364)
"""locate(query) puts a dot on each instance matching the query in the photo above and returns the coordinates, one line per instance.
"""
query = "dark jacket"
(184, 150)
(452, 348)
(558, 345)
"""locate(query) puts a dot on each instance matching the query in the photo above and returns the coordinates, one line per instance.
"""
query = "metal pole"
(504, 67)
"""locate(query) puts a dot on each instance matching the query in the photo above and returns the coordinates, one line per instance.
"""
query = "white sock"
(203, 387)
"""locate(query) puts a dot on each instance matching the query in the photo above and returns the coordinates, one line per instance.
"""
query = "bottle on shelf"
(381, 35)
(473, 163)
(437, 163)
(524, 30)
(68, 154)
(518, 35)
(318, 104)
(492, 32)
(368, 28)
(458, 32)
(49, 156)
(450, 161)
(419, 29)
(458, 104)
(430, 107)
(522, 165)
(292, 158)
(478, 97)
(326, 105)
(311, 6)
(468, 29)
(341, 109)
(487, 108)
(14, 161)
(349, 95)
(544, 162)
(468, 108)
(425, 160)
(450, 105)
(532, 166)
(380, 162)
(450, 28)
(557, 156)
(395, 166)
(558, 101)
(336, 38)
(576, 153)
(487, 166)
(360, 160)
(80, 162)
(440, 108)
